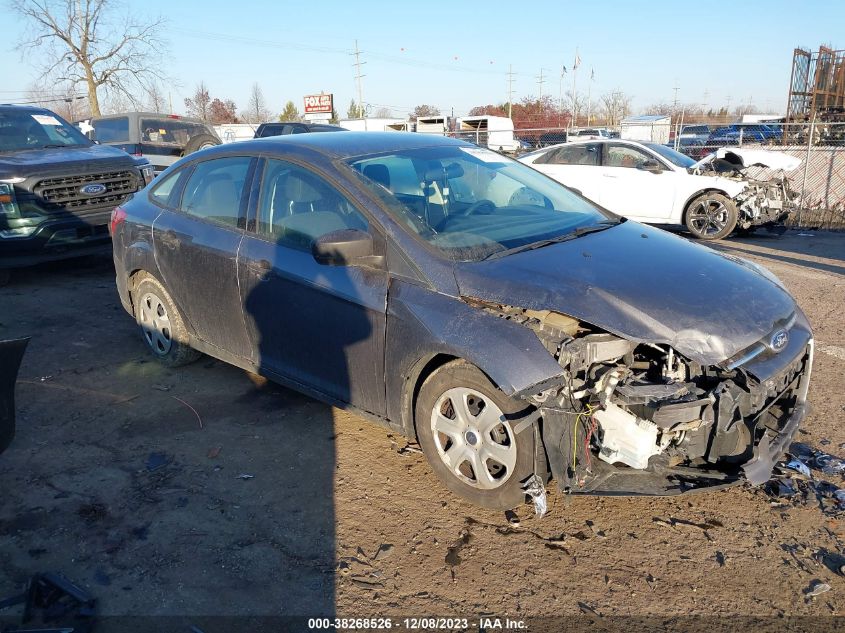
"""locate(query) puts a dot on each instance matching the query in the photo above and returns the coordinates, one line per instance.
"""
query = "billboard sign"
(318, 104)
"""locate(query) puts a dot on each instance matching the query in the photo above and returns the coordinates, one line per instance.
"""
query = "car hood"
(642, 284)
(14, 164)
(751, 157)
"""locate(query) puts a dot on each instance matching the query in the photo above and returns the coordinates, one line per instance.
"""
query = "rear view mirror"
(651, 165)
(346, 247)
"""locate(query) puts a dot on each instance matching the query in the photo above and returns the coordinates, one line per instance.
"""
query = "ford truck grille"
(66, 193)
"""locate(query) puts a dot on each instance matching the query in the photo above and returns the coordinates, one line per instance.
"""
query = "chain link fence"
(819, 181)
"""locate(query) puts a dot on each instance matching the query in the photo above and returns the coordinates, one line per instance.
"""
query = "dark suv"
(294, 127)
(57, 188)
(161, 138)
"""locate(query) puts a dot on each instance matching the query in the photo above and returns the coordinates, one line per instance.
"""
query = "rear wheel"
(162, 326)
(467, 430)
(711, 216)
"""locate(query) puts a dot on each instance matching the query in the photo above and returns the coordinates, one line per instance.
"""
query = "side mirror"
(346, 247)
(651, 165)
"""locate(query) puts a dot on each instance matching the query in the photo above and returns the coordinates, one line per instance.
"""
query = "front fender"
(422, 324)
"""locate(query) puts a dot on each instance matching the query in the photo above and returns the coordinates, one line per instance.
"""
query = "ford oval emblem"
(94, 189)
(779, 340)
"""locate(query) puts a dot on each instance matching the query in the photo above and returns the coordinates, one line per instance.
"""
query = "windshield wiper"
(59, 146)
(583, 230)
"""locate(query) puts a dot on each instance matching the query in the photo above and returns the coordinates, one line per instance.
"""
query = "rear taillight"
(118, 216)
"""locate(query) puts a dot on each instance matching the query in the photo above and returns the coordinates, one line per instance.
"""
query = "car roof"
(15, 106)
(344, 145)
(152, 115)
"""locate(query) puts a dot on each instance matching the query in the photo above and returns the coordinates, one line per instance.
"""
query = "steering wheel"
(477, 206)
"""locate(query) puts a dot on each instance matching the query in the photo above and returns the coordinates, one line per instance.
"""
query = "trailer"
(495, 132)
(433, 125)
(376, 124)
(653, 128)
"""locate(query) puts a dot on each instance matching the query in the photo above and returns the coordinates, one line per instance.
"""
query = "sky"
(456, 54)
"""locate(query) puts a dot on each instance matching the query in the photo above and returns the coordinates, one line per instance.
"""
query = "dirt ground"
(201, 491)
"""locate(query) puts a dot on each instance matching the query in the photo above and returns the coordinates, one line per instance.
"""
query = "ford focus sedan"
(516, 330)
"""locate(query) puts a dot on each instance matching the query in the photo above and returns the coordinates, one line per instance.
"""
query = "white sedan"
(652, 183)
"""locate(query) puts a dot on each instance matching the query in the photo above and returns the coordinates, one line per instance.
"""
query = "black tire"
(460, 374)
(711, 216)
(153, 306)
(5, 276)
(200, 142)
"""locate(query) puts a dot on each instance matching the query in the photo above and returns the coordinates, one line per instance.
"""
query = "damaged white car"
(653, 183)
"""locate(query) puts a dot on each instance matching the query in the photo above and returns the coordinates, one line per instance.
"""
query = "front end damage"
(632, 417)
(767, 199)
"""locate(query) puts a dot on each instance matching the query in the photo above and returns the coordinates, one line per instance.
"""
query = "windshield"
(676, 158)
(470, 203)
(36, 129)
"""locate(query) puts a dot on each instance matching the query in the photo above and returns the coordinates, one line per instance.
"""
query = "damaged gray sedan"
(516, 330)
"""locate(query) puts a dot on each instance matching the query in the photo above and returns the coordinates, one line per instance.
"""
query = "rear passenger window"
(297, 206)
(111, 130)
(580, 154)
(164, 189)
(215, 189)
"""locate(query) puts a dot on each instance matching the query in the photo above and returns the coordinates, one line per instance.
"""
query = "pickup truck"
(57, 188)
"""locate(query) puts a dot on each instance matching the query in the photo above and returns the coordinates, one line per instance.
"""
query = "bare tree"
(257, 110)
(199, 105)
(155, 99)
(90, 43)
(615, 105)
(384, 113)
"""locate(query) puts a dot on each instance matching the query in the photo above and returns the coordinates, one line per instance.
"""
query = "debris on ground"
(245, 476)
(816, 588)
(214, 451)
(794, 482)
(535, 489)
(51, 600)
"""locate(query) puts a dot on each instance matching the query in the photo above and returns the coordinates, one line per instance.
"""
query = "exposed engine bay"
(629, 408)
(764, 201)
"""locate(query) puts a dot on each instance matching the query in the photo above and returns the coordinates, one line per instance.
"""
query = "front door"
(577, 166)
(641, 195)
(196, 247)
(321, 326)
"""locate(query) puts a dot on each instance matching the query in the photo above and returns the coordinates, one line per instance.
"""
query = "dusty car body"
(11, 354)
(516, 330)
(652, 183)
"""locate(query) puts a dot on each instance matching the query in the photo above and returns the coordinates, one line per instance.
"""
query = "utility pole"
(510, 90)
(560, 94)
(676, 88)
(574, 94)
(540, 82)
(358, 77)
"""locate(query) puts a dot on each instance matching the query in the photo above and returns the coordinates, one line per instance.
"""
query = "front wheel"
(469, 432)
(711, 216)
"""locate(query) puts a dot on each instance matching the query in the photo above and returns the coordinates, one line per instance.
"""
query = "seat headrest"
(379, 174)
(298, 190)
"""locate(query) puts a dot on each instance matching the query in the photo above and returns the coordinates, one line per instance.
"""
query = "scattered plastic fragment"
(535, 489)
(245, 476)
(798, 466)
(817, 588)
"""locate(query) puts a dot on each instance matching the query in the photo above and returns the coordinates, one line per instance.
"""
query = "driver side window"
(297, 206)
(625, 156)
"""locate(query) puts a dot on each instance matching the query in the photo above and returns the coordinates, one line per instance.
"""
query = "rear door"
(196, 247)
(634, 192)
(576, 165)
